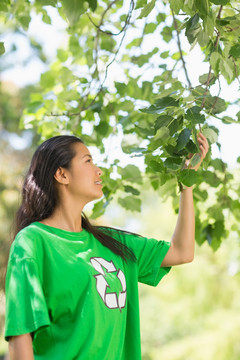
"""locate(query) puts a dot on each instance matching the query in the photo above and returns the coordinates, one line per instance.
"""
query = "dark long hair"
(40, 196)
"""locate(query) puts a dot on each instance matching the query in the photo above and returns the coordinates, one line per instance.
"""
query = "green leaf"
(167, 33)
(191, 147)
(175, 125)
(62, 55)
(47, 2)
(211, 179)
(163, 120)
(176, 5)
(203, 38)
(98, 209)
(189, 177)
(4, 5)
(204, 78)
(131, 173)
(164, 55)
(140, 4)
(48, 79)
(24, 21)
(214, 61)
(147, 9)
(193, 115)
(150, 28)
(173, 163)
(92, 4)
(2, 48)
(107, 43)
(130, 203)
(193, 28)
(102, 128)
(161, 105)
(195, 160)
(218, 164)
(210, 134)
(73, 9)
(34, 107)
(160, 138)
(156, 166)
(46, 18)
(209, 24)
(183, 139)
(235, 51)
(219, 2)
(226, 67)
(131, 190)
(202, 6)
(215, 104)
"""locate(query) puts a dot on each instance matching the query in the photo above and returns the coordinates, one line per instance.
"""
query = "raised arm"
(183, 239)
(20, 347)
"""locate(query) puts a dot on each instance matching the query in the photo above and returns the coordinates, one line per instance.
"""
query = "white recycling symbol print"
(111, 300)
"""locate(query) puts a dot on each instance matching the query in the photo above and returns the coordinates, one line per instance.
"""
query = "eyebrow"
(90, 156)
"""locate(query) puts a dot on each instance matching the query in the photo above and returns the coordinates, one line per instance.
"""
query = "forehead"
(81, 150)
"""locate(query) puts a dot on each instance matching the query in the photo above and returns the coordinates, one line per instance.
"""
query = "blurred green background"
(194, 312)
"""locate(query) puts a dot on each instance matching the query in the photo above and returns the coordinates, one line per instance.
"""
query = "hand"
(204, 147)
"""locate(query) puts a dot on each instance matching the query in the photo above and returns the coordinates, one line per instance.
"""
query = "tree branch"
(180, 49)
(101, 22)
(84, 107)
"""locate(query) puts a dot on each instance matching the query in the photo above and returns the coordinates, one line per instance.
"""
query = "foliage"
(13, 161)
(158, 114)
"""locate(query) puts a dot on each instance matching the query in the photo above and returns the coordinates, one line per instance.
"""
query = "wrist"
(186, 189)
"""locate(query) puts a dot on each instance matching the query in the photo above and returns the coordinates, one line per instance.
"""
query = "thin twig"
(229, 29)
(180, 49)
(219, 12)
(106, 31)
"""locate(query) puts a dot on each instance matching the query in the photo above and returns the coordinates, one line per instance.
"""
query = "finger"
(204, 142)
(203, 147)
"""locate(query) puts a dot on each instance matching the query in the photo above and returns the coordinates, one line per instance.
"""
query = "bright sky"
(53, 37)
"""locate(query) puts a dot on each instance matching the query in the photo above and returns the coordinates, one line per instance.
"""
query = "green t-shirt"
(78, 298)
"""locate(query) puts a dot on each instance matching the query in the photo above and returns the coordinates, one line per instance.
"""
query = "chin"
(98, 196)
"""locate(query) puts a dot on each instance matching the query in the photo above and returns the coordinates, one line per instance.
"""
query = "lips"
(98, 182)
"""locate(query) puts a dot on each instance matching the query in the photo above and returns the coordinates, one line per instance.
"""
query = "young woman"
(71, 288)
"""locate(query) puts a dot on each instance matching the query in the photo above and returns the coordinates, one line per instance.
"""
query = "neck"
(66, 216)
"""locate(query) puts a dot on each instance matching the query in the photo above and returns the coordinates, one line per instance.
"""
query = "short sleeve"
(150, 255)
(26, 309)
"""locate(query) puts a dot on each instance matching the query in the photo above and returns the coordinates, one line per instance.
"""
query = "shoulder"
(25, 244)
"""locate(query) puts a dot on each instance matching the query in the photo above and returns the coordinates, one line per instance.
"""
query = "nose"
(99, 171)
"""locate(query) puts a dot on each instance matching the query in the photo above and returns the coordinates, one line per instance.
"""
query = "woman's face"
(84, 178)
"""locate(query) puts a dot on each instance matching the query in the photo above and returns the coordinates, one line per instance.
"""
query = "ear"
(61, 176)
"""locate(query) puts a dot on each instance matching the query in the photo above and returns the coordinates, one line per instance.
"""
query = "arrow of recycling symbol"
(111, 300)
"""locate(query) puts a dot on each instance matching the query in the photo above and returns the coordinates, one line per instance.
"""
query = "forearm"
(20, 347)
(183, 238)
(182, 245)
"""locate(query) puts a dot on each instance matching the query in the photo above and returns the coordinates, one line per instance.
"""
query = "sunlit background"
(194, 313)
